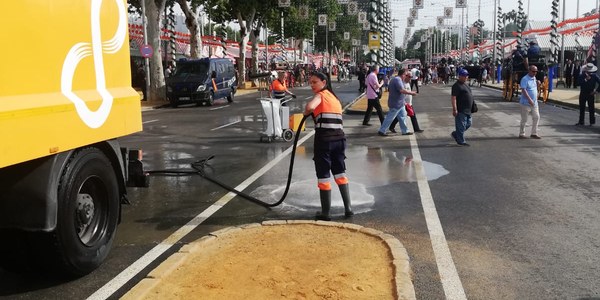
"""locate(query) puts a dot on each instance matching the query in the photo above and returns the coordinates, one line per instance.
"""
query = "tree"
(191, 22)
(154, 8)
(509, 23)
(248, 14)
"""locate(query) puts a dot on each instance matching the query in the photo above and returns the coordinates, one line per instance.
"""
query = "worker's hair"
(324, 77)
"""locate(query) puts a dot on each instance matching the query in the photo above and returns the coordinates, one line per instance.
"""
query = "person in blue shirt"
(590, 86)
(533, 52)
(396, 101)
(529, 103)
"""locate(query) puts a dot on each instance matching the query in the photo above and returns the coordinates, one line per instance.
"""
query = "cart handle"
(287, 99)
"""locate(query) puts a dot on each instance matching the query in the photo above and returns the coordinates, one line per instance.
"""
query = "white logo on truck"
(96, 48)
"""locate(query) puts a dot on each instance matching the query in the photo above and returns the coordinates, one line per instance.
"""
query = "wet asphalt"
(519, 216)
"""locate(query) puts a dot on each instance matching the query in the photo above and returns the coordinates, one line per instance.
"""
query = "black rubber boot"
(325, 205)
(345, 191)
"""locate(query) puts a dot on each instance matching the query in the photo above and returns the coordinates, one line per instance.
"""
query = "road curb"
(399, 256)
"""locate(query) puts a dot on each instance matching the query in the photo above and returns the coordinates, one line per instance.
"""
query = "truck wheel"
(88, 212)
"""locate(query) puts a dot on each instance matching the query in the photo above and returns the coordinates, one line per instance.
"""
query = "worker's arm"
(312, 104)
(290, 93)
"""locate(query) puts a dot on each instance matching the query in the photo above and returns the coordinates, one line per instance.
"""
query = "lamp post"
(146, 61)
(494, 33)
(562, 47)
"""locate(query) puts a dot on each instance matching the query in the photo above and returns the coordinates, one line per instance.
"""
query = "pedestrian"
(590, 86)
(462, 102)
(569, 75)
(415, 74)
(410, 111)
(279, 87)
(529, 103)
(386, 81)
(396, 101)
(361, 75)
(373, 96)
(484, 74)
(576, 73)
(329, 143)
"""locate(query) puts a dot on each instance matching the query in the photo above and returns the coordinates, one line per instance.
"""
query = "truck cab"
(63, 172)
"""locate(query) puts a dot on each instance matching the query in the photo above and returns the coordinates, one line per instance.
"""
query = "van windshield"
(191, 69)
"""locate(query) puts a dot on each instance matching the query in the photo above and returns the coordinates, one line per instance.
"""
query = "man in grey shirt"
(396, 104)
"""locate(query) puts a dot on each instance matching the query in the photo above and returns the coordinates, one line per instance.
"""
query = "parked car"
(202, 81)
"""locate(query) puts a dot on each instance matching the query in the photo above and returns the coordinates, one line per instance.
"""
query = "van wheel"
(211, 99)
(230, 97)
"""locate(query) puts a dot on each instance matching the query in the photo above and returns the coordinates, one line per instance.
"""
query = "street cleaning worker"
(279, 87)
(330, 143)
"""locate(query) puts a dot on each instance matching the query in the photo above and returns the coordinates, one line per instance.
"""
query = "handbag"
(409, 110)
(474, 108)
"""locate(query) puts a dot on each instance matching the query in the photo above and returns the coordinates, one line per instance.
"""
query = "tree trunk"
(244, 26)
(191, 22)
(301, 49)
(254, 42)
(157, 92)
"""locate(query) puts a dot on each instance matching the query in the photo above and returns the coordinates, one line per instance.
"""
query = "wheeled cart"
(275, 120)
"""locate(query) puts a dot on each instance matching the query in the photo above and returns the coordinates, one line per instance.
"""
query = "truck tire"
(88, 212)
(87, 216)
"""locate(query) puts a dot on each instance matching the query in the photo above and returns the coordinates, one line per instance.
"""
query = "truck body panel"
(59, 90)
(65, 98)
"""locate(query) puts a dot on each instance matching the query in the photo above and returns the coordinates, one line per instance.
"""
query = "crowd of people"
(330, 140)
(400, 98)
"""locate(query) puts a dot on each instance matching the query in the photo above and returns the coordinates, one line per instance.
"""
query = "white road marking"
(150, 121)
(220, 107)
(481, 104)
(228, 124)
(309, 97)
(449, 276)
(120, 280)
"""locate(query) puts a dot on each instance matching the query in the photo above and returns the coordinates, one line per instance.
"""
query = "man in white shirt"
(415, 74)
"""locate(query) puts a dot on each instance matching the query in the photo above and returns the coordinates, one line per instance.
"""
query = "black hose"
(198, 168)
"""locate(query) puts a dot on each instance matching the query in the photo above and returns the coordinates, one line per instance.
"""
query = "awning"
(570, 42)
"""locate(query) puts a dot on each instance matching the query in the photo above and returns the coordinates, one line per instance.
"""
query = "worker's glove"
(294, 96)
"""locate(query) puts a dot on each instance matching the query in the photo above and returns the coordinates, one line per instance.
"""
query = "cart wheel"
(288, 135)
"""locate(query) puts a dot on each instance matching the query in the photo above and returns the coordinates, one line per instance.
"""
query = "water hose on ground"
(198, 168)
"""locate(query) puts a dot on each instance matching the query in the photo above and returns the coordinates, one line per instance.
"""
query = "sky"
(539, 10)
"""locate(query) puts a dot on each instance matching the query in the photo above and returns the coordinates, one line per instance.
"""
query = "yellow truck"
(65, 98)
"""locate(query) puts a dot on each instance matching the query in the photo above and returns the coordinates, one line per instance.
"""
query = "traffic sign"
(146, 51)
(374, 40)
